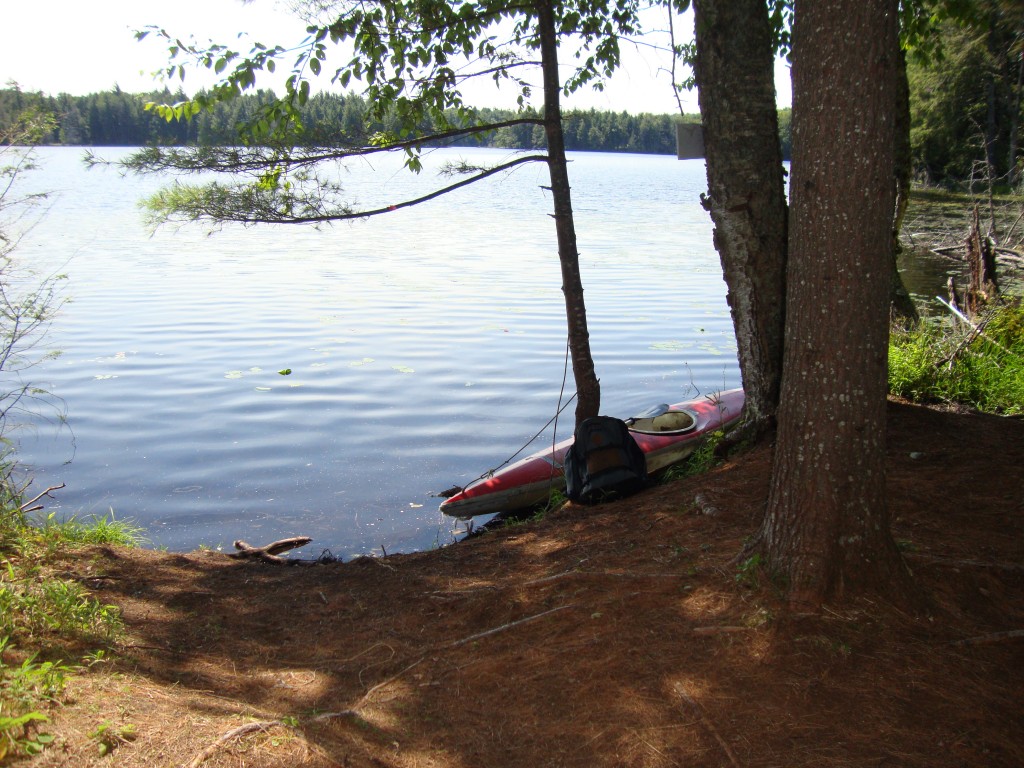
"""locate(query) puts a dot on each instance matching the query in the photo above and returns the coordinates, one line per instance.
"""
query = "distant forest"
(117, 118)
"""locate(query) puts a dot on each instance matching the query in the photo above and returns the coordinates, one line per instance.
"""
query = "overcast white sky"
(79, 47)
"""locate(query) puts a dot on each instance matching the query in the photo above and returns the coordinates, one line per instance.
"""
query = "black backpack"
(604, 462)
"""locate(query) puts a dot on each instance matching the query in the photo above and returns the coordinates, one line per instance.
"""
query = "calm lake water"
(425, 346)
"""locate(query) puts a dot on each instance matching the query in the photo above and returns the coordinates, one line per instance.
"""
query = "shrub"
(956, 363)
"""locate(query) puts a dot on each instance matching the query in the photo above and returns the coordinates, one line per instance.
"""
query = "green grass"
(97, 529)
(945, 362)
(47, 623)
(702, 460)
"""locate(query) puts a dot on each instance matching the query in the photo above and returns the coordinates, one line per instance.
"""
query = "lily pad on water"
(240, 374)
(403, 369)
(364, 361)
(670, 346)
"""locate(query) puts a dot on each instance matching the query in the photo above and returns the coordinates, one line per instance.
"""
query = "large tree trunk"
(826, 528)
(587, 387)
(747, 201)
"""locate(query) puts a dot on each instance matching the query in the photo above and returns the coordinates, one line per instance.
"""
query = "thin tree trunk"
(991, 102)
(588, 388)
(826, 528)
(736, 88)
(1015, 120)
(902, 305)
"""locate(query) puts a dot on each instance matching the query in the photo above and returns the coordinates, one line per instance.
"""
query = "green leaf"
(285, 371)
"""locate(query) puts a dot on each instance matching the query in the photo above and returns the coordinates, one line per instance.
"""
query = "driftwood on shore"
(270, 552)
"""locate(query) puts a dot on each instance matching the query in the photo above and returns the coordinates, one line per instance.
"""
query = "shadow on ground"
(620, 635)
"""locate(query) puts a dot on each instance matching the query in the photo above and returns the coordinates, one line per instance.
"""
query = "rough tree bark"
(747, 201)
(588, 389)
(826, 527)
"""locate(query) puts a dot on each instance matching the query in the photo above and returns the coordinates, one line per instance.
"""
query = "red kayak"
(666, 434)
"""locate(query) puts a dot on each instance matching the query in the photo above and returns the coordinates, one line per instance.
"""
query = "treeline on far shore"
(118, 118)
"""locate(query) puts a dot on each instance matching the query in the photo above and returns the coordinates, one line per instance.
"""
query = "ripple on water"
(423, 348)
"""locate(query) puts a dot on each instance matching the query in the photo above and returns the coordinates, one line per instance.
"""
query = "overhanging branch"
(263, 159)
(282, 212)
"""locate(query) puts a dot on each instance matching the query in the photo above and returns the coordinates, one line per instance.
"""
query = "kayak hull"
(669, 436)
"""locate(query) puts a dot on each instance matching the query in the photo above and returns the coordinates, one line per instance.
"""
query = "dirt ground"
(620, 635)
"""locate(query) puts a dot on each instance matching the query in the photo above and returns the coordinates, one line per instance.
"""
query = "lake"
(425, 346)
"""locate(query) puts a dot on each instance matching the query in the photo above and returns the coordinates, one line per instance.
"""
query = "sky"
(84, 47)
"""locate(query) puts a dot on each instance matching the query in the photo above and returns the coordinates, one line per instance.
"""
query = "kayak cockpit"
(673, 422)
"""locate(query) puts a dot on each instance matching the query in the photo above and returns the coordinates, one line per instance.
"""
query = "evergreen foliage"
(116, 118)
(966, 77)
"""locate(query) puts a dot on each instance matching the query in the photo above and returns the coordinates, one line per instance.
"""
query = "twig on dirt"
(270, 551)
(455, 644)
(390, 680)
(707, 724)
(24, 507)
(362, 653)
(335, 715)
(718, 630)
(134, 647)
(503, 627)
(958, 562)
(995, 637)
(85, 578)
(441, 593)
(242, 730)
(470, 591)
(547, 579)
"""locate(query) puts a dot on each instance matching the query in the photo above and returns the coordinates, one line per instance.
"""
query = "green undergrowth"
(702, 460)
(50, 626)
(980, 365)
